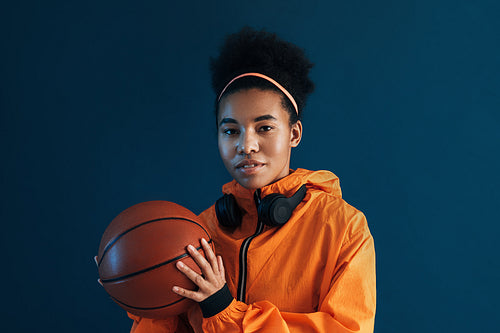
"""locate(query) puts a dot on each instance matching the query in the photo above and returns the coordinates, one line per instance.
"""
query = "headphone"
(273, 210)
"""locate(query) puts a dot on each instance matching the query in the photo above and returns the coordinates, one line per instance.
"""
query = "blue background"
(105, 104)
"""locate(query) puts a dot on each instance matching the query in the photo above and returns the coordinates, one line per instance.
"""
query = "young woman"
(292, 256)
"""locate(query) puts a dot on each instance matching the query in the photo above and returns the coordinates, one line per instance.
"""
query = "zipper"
(242, 279)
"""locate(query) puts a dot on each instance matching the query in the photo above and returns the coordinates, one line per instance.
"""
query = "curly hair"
(263, 52)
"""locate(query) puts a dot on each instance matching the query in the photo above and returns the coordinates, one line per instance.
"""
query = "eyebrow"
(227, 121)
(265, 117)
(256, 120)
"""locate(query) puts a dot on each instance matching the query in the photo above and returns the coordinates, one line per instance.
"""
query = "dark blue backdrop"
(105, 104)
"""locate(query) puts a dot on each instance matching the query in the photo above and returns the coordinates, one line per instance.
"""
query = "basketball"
(137, 257)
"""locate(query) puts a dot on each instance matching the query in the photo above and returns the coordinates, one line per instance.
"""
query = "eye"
(265, 128)
(230, 131)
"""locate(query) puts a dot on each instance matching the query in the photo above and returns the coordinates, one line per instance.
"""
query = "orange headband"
(268, 79)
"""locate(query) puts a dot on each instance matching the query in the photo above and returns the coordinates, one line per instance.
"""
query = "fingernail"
(180, 264)
(191, 247)
(175, 289)
(204, 240)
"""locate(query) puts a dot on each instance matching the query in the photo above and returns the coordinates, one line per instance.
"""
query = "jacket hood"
(322, 180)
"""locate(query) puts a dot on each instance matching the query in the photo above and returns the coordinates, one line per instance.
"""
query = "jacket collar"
(322, 180)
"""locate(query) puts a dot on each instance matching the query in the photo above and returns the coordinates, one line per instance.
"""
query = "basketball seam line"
(150, 308)
(106, 249)
(151, 268)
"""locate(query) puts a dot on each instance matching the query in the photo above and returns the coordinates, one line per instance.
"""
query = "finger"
(200, 260)
(100, 282)
(195, 296)
(221, 269)
(210, 255)
(190, 274)
(96, 261)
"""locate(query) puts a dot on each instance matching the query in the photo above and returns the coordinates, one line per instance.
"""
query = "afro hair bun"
(263, 52)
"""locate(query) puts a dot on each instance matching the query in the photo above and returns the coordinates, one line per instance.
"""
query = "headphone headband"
(273, 210)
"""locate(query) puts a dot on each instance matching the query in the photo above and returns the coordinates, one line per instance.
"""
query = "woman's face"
(255, 138)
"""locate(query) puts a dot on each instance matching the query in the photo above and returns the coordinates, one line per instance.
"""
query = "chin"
(251, 184)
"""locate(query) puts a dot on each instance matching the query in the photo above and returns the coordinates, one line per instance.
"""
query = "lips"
(249, 167)
(246, 164)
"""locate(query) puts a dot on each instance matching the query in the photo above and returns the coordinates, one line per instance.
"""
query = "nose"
(247, 143)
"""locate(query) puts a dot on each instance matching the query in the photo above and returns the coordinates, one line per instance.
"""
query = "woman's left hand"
(213, 278)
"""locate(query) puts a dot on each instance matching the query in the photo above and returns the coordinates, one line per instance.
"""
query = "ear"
(295, 134)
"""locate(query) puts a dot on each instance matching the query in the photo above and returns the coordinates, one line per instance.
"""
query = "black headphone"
(273, 210)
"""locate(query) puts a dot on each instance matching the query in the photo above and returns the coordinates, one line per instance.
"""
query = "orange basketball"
(138, 253)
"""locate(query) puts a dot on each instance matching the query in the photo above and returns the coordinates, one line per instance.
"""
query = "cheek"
(280, 147)
(224, 151)
(221, 149)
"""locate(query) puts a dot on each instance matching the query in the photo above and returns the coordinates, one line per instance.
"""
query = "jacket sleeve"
(173, 324)
(349, 304)
(146, 325)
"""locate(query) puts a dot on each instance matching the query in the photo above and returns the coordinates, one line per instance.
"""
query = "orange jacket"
(314, 274)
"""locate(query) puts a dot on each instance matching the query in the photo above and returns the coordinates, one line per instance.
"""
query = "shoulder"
(335, 213)
(209, 219)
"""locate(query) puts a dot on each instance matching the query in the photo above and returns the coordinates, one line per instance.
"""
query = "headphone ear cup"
(227, 211)
(275, 210)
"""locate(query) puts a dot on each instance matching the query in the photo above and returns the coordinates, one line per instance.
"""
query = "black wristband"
(216, 303)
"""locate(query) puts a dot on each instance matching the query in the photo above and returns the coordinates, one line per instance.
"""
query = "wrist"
(216, 302)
